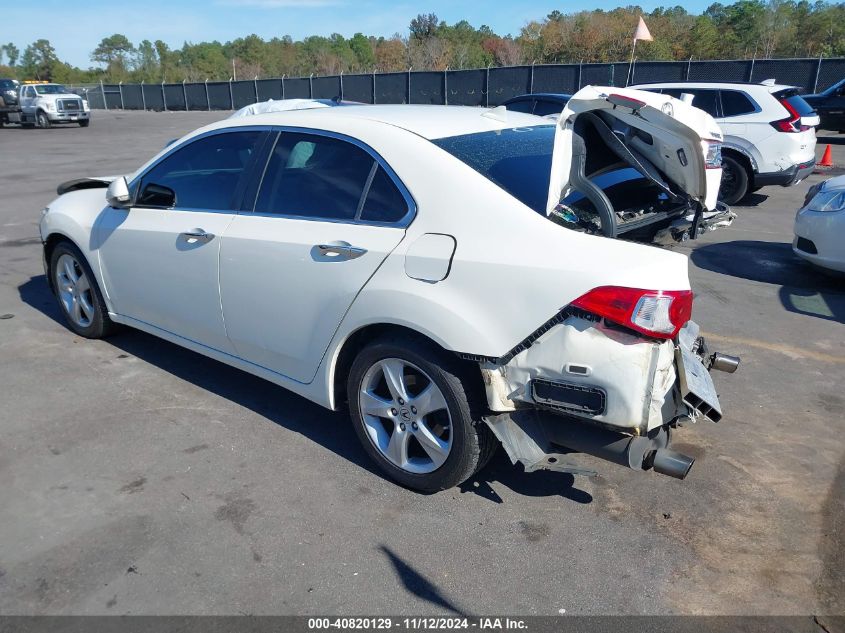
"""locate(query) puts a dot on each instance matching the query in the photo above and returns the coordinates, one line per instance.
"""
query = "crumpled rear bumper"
(604, 392)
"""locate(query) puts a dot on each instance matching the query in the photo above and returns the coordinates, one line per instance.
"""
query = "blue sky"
(75, 28)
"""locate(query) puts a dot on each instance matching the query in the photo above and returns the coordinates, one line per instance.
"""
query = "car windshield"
(518, 160)
(51, 89)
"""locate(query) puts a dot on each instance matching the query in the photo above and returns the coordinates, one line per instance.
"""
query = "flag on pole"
(642, 32)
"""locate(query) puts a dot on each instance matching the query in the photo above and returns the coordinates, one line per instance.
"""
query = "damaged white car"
(426, 265)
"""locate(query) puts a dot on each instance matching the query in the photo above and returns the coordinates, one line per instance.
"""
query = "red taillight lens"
(657, 313)
(792, 123)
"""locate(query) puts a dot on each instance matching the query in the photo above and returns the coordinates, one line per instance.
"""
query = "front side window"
(203, 175)
(707, 100)
(30, 91)
(321, 177)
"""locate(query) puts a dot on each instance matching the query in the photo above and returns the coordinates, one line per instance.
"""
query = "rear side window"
(204, 174)
(735, 103)
(321, 177)
(525, 105)
(547, 107)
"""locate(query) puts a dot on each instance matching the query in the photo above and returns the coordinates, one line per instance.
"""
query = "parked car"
(830, 105)
(769, 132)
(820, 226)
(46, 104)
(391, 258)
(9, 91)
(539, 104)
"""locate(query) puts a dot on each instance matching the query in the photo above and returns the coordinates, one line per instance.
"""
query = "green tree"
(39, 60)
(12, 53)
(113, 51)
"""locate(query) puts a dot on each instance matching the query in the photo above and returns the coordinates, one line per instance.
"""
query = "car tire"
(84, 123)
(735, 181)
(462, 443)
(77, 292)
(42, 120)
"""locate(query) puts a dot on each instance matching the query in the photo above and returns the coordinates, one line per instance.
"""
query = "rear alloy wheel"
(76, 289)
(734, 185)
(42, 120)
(412, 415)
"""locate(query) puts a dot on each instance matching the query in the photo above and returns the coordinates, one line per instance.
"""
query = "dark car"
(830, 106)
(9, 91)
(540, 104)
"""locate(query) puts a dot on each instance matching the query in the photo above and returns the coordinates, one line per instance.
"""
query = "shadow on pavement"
(541, 483)
(329, 429)
(417, 584)
(752, 200)
(803, 288)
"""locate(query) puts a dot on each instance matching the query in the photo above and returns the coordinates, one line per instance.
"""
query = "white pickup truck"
(46, 104)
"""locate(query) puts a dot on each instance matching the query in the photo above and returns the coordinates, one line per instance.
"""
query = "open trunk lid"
(672, 144)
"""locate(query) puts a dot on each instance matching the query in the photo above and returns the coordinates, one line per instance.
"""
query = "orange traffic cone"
(827, 159)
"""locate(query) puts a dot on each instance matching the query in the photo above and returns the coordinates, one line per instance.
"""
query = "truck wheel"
(84, 123)
(411, 412)
(42, 120)
(79, 296)
(734, 185)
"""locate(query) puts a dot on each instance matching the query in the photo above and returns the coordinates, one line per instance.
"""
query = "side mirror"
(117, 195)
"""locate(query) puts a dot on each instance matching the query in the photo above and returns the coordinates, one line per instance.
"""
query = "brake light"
(625, 102)
(657, 313)
(792, 123)
(713, 158)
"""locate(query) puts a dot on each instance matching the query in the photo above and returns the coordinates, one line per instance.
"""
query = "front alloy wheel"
(410, 405)
(76, 290)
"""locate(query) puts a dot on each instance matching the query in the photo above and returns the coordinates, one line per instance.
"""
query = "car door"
(160, 257)
(27, 99)
(326, 215)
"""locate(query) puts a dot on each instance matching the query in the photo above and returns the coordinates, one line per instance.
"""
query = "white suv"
(770, 136)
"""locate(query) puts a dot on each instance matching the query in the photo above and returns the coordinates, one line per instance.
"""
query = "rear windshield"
(792, 98)
(518, 160)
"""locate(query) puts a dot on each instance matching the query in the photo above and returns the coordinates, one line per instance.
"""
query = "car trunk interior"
(635, 208)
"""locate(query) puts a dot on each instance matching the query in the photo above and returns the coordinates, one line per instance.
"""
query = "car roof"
(752, 87)
(554, 96)
(429, 121)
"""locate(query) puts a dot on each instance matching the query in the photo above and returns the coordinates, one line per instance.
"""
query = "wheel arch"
(53, 240)
(346, 352)
(744, 159)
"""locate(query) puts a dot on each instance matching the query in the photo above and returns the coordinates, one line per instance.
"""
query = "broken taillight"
(657, 313)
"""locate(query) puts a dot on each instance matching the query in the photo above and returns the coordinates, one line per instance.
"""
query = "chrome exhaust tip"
(672, 463)
(724, 362)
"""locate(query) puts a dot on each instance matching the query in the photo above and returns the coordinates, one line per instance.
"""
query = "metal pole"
(751, 69)
(689, 63)
(633, 71)
(531, 83)
(143, 96)
(231, 97)
(185, 95)
(163, 97)
(311, 86)
(207, 98)
(120, 88)
(283, 86)
(818, 70)
(255, 85)
(487, 87)
(374, 86)
(409, 84)
(446, 86)
(103, 93)
(612, 75)
(580, 72)
(341, 85)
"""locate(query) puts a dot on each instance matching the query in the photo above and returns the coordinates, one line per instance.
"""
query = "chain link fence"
(477, 87)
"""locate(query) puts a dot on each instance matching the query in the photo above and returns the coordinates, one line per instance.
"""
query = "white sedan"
(418, 263)
(820, 226)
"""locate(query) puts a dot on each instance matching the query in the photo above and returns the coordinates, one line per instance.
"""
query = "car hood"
(678, 134)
